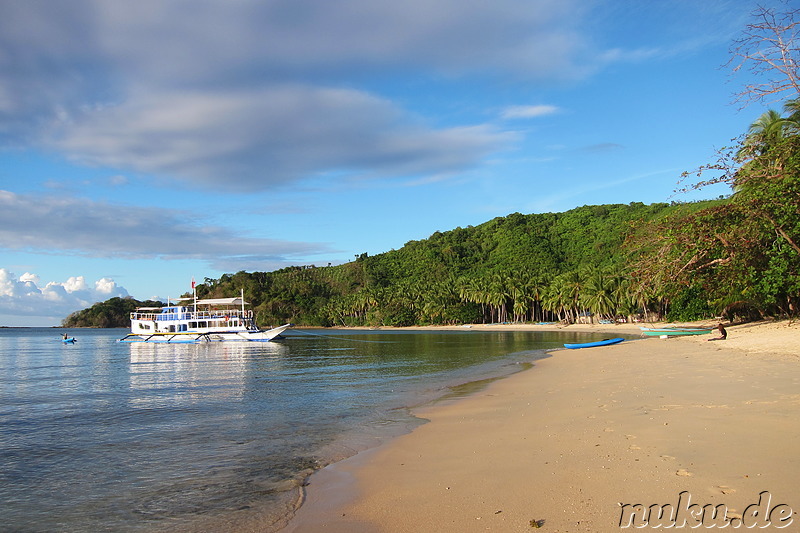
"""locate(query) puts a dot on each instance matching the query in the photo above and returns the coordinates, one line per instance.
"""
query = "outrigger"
(193, 321)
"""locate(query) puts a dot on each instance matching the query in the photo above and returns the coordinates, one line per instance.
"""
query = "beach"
(591, 440)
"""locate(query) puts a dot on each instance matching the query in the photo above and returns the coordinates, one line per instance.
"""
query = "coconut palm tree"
(600, 293)
(555, 298)
(764, 133)
(498, 295)
(792, 107)
(521, 297)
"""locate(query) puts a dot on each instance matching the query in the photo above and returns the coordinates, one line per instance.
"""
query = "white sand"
(567, 442)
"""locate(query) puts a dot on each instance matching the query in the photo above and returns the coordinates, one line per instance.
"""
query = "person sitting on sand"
(722, 334)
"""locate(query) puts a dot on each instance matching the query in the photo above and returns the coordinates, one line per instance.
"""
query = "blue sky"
(145, 143)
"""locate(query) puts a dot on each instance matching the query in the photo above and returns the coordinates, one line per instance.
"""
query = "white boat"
(192, 321)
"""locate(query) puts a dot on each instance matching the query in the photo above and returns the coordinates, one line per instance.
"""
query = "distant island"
(113, 313)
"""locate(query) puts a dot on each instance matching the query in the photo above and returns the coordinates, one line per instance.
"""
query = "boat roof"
(209, 301)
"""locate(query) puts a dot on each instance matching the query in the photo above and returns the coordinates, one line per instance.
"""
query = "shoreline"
(646, 421)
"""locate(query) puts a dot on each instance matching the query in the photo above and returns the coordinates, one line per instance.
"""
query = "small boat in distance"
(604, 342)
(68, 340)
(192, 321)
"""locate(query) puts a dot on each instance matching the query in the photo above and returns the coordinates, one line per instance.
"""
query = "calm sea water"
(107, 436)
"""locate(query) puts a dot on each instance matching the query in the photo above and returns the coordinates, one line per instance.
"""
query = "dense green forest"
(518, 267)
(521, 268)
(734, 256)
(589, 263)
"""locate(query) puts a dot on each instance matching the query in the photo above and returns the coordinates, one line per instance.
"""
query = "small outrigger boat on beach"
(192, 321)
(675, 331)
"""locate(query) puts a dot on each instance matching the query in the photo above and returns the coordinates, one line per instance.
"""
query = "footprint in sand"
(634, 447)
(722, 489)
(683, 472)
(667, 457)
(629, 437)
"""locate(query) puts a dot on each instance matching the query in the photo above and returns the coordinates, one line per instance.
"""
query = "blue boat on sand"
(604, 342)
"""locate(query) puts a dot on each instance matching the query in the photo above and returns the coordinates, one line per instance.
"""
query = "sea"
(137, 437)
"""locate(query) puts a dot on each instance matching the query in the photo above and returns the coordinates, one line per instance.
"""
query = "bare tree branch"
(769, 48)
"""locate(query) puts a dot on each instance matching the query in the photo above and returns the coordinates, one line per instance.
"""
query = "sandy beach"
(577, 442)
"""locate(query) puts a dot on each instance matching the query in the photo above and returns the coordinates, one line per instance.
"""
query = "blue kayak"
(604, 342)
(70, 340)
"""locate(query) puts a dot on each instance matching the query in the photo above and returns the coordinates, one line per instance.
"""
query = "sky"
(143, 144)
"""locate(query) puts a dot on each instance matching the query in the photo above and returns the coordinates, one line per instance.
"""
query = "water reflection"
(176, 375)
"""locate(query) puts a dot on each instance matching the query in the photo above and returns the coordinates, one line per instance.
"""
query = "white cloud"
(70, 225)
(256, 139)
(105, 286)
(529, 111)
(271, 94)
(75, 284)
(24, 302)
(28, 277)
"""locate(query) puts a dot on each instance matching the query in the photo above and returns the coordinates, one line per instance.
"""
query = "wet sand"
(572, 444)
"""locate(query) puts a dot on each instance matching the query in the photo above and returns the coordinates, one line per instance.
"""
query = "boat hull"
(605, 342)
(200, 337)
(675, 332)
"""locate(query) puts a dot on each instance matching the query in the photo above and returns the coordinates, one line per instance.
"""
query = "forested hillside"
(605, 262)
(538, 267)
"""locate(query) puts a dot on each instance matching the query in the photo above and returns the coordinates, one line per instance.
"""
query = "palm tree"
(499, 295)
(769, 129)
(574, 283)
(600, 295)
(555, 298)
(475, 291)
(793, 120)
(521, 298)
